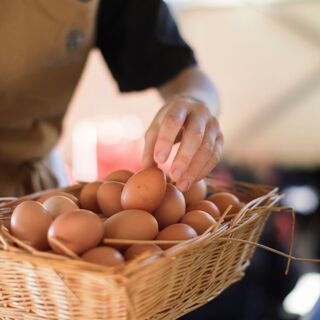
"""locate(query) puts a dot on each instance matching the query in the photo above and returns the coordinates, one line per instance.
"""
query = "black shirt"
(141, 43)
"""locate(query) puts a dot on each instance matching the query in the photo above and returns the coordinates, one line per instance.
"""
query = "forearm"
(192, 82)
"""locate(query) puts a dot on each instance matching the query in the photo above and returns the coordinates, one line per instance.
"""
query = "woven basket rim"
(223, 231)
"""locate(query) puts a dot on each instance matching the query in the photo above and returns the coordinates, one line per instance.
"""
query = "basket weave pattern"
(38, 285)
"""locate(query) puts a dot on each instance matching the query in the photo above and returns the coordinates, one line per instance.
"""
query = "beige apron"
(43, 48)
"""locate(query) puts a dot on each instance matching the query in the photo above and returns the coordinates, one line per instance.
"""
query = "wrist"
(212, 107)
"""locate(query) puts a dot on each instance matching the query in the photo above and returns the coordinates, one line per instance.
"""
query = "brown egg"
(79, 230)
(119, 176)
(197, 192)
(137, 249)
(206, 206)
(131, 225)
(43, 198)
(109, 197)
(57, 205)
(224, 199)
(105, 256)
(172, 207)
(144, 190)
(178, 231)
(199, 220)
(30, 222)
(88, 196)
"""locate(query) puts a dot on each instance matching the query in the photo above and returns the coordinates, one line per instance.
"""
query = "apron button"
(74, 40)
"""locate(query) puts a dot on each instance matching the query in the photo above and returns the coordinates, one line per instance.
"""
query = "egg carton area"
(158, 276)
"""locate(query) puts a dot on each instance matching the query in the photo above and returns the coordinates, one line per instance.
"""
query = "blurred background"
(264, 57)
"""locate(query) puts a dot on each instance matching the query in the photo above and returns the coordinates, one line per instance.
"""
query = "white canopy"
(265, 61)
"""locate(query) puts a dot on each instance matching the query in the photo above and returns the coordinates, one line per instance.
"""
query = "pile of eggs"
(127, 206)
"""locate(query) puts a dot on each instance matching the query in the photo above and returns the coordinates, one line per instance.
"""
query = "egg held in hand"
(78, 230)
(30, 222)
(144, 190)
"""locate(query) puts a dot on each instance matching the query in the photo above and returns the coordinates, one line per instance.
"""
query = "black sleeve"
(141, 43)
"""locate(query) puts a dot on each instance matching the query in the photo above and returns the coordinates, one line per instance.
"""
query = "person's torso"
(44, 46)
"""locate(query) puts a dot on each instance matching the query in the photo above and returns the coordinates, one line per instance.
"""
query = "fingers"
(200, 161)
(150, 139)
(201, 141)
(215, 158)
(190, 143)
(169, 129)
(149, 142)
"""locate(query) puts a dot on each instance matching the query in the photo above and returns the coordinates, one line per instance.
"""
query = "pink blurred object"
(123, 155)
(119, 144)
(103, 144)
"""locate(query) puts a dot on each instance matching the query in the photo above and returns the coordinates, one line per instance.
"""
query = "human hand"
(188, 121)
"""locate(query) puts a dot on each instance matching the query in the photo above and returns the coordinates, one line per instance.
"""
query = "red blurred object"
(123, 155)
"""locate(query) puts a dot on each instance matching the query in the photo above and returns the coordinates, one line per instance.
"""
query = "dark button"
(74, 40)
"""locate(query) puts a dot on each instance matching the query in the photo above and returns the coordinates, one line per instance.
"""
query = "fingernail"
(184, 185)
(177, 174)
(161, 157)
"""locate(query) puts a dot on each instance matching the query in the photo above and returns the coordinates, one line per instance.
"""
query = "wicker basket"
(40, 285)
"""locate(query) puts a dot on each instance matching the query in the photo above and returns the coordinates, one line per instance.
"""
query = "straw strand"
(267, 248)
